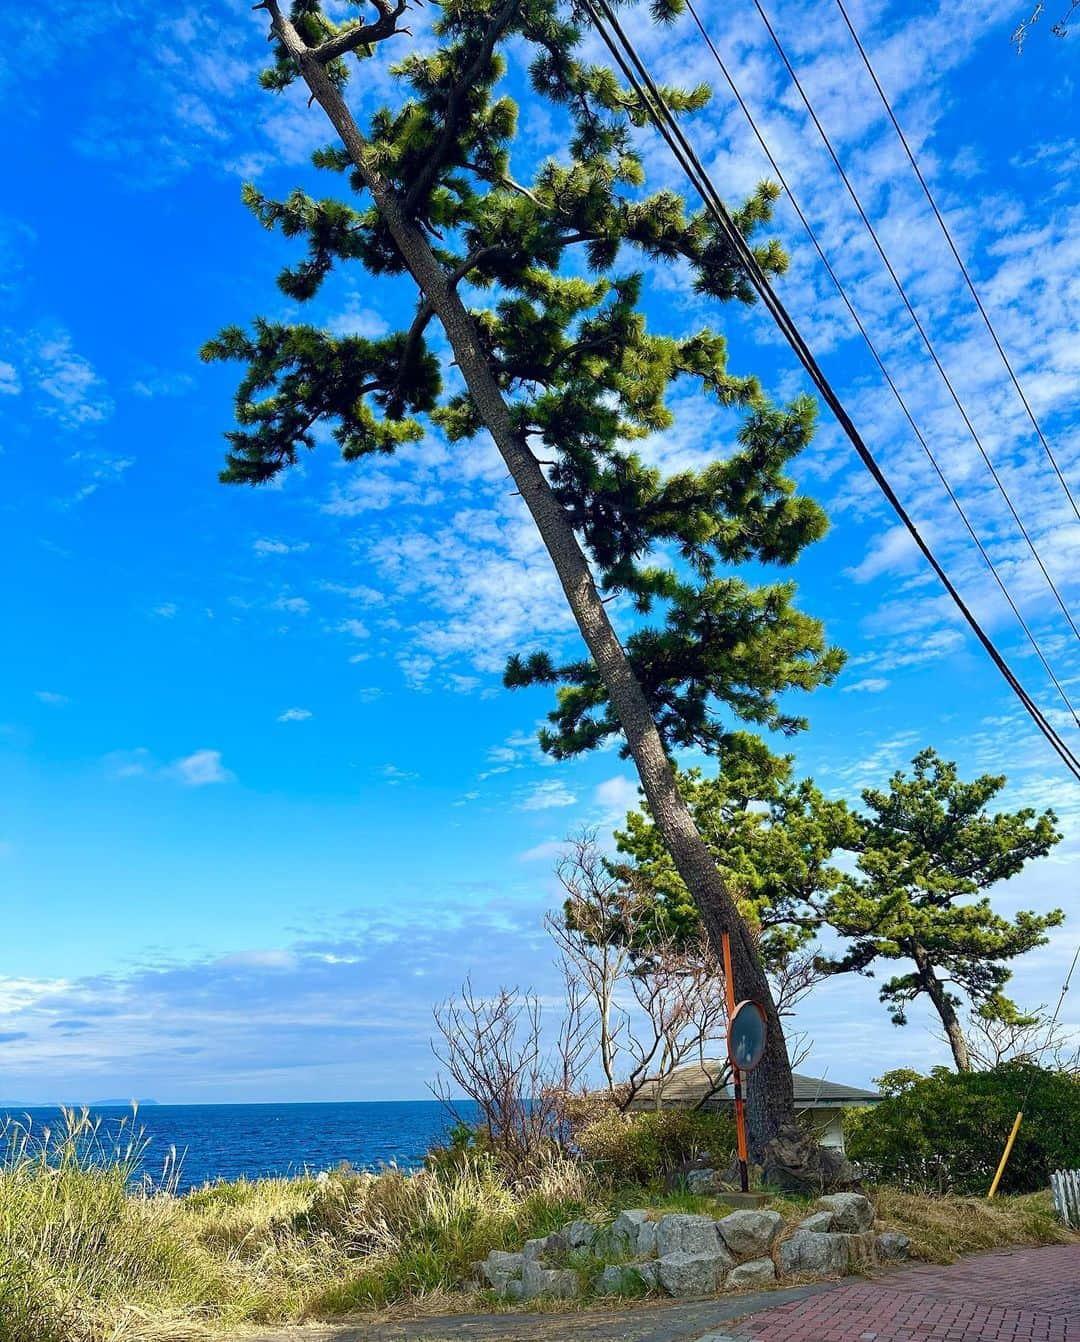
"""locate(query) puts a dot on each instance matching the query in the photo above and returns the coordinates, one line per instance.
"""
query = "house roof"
(686, 1086)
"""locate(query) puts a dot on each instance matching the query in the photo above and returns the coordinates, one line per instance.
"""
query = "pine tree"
(558, 365)
(927, 848)
(773, 838)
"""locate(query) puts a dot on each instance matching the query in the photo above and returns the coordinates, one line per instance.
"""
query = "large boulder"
(758, 1272)
(822, 1222)
(749, 1234)
(808, 1253)
(795, 1163)
(548, 1246)
(683, 1233)
(703, 1182)
(500, 1267)
(580, 1234)
(619, 1278)
(633, 1233)
(554, 1282)
(683, 1274)
(851, 1212)
(891, 1245)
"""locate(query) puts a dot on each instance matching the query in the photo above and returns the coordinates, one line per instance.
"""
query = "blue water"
(225, 1141)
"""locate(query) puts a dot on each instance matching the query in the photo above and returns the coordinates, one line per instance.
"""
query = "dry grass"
(88, 1255)
(942, 1229)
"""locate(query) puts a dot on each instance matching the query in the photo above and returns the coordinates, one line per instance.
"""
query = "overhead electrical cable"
(653, 103)
(959, 260)
(842, 291)
(914, 315)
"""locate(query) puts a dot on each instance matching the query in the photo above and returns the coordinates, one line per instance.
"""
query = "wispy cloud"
(295, 715)
(68, 388)
(271, 546)
(201, 768)
(51, 698)
(545, 796)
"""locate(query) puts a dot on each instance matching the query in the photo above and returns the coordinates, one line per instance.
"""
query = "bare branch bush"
(495, 1054)
(1031, 1038)
(653, 1012)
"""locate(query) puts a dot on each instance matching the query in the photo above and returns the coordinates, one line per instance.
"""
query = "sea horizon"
(256, 1139)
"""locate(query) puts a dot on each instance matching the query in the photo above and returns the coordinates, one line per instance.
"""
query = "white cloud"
(618, 795)
(871, 685)
(295, 715)
(201, 768)
(69, 389)
(548, 851)
(356, 319)
(893, 552)
(293, 605)
(52, 698)
(166, 610)
(163, 384)
(10, 384)
(546, 796)
(267, 546)
(394, 775)
(354, 628)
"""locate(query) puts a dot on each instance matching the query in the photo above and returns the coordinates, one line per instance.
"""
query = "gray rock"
(852, 1212)
(513, 1290)
(821, 1222)
(683, 1233)
(683, 1274)
(617, 1278)
(500, 1267)
(646, 1239)
(759, 1272)
(626, 1230)
(811, 1254)
(748, 1234)
(891, 1244)
(558, 1283)
(580, 1234)
(702, 1182)
(547, 1247)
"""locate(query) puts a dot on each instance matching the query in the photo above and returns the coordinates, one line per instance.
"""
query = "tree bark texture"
(935, 990)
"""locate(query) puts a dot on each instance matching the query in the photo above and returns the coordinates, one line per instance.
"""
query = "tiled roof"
(686, 1085)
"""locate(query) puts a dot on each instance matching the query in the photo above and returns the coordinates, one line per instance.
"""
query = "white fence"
(1065, 1185)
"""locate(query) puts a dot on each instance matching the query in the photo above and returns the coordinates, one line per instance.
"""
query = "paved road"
(1021, 1295)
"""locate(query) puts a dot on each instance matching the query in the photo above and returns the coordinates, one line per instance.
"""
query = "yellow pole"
(1005, 1156)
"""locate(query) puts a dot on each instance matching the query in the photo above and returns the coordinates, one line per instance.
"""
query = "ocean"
(227, 1141)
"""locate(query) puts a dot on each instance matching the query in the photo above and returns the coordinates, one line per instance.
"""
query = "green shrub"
(947, 1131)
(644, 1147)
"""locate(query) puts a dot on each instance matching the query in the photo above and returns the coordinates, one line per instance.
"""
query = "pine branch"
(362, 34)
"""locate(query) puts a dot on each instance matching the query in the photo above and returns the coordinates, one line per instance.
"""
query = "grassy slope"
(81, 1259)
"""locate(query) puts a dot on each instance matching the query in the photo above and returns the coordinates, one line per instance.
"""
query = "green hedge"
(946, 1131)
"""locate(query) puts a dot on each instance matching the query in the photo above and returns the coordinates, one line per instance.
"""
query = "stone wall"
(679, 1254)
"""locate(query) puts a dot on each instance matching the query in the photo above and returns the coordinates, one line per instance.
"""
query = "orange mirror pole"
(736, 1082)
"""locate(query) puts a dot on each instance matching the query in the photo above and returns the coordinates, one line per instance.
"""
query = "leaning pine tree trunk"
(770, 1099)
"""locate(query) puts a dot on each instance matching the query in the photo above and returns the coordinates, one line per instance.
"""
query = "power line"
(912, 313)
(959, 260)
(660, 115)
(878, 359)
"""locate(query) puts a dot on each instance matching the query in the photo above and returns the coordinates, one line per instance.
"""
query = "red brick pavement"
(1021, 1295)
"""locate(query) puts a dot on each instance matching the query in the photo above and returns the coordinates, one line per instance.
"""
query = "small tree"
(927, 848)
(653, 1013)
(773, 839)
(496, 1055)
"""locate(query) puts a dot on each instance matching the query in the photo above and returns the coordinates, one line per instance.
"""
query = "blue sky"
(263, 799)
